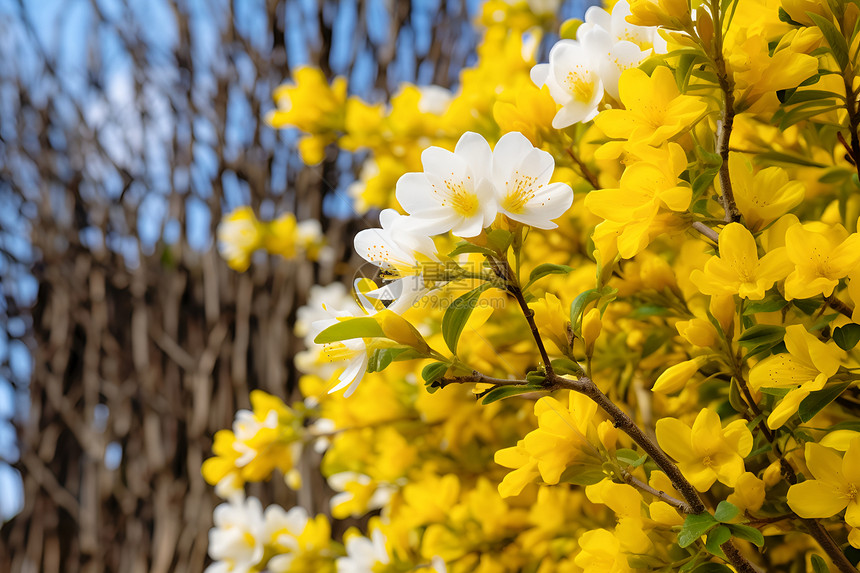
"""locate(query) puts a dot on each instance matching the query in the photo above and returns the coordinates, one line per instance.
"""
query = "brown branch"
(584, 170)
(478, 378)
(503, 270)
(623, 422)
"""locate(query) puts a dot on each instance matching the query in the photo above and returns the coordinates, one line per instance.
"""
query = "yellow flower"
(749, 493)
(758, 74)
(765, 196)
(697, 331)
(635, 210)
(280, 238)
(806, 368)
(835, 487)
(822, 255)
(655, 110)
(261, 441)
(239, 235)
(601, 553)
(626, 503)
(737, 269)
(707, 452)
(530, 112)
(552, 318)
(561, 440)
(591, 327)
(310, 104)
(673, 14)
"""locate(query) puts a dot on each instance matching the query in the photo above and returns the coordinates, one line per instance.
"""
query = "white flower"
(334, 295)
(400, 253)
(340, 481)
(434, 99)
(453, 192)
(572, 76)
(245, 428)
(353, 351)
(281, 530)
(521, 175)
(362, 554)
(238, 237)
(309, 233)
(236, 543)
(619, 29)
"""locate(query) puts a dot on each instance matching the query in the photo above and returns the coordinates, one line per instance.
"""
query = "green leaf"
(703, 180)
(580, 302)
(807, 305)
(500, 240)
(682, 72)
(382, 357)
(582, 475)
(792, 159)
(819, 565)
(748, 533)
(717, 537)
(846, 337)
(806, 111)
(770, 303)
(816, 401)
(566, 366)
(456, 316)
(694, 527)
(467, 247)
(626, 456)
(545, 269)
(811, 95)
(712, 568)
(503, 392)
(736, 400)
(834, 37)
(725, 512)
(434, 371)
(836, 174)
(761, 334)
(361, 327)
(778, 392)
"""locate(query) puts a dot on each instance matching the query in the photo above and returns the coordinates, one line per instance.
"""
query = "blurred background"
(127, 128)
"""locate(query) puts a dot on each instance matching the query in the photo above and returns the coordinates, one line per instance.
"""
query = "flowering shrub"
(646, 359)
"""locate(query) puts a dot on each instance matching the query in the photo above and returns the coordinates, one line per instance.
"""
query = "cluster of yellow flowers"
(657, 373)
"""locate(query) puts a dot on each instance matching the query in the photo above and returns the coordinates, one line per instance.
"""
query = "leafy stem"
(724, 129)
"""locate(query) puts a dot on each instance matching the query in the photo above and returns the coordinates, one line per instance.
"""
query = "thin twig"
(706, 231)
(584, 170)
(478, 378)
(724, 128)
(681, 506)
(504, 271)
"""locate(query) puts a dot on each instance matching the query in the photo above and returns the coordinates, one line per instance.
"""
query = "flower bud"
(698, 332)
(591, 327)
(705, 26)
(401, 331)
(772, 474)
(676, 377)
(749, 492)
(722, 308)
